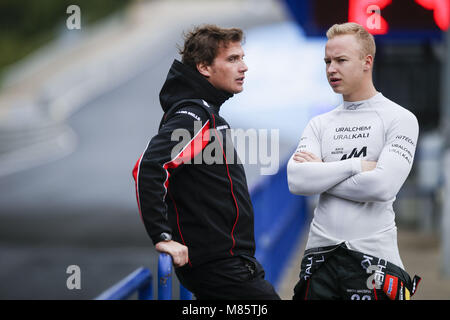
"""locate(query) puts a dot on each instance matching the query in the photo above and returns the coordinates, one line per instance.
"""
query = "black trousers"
(233, 278)
(338, 273)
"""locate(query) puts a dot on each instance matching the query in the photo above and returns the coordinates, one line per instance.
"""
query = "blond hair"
(365, 39)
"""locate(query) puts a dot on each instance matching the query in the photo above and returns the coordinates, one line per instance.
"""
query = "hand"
(305, 156)
(176, 250)
(368, 165)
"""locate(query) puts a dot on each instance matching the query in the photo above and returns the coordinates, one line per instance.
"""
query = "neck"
(363, 93)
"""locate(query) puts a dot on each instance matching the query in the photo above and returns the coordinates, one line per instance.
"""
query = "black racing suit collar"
(184, 82)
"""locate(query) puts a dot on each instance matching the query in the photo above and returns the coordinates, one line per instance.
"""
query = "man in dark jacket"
(192, 194)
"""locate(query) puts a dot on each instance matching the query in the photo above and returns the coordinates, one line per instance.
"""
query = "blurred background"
(79, 86)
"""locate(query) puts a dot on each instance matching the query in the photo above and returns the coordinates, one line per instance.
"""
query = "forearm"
(393, 167)
(378, 185)
(151, 193)
(310, 178)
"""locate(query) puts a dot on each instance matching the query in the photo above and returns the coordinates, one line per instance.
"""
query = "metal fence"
(141, 282)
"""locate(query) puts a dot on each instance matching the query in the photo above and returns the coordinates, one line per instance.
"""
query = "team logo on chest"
(349, 133)
(356, 153)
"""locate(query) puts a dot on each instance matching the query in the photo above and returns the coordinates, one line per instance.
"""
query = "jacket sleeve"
(310, 178)
(393, 166)
(182, 137)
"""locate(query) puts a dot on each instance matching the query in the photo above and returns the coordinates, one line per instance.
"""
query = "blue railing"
(141, 281)
(165, 280)
(280, 218)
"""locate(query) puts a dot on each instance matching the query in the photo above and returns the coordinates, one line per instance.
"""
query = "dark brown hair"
(202, 44)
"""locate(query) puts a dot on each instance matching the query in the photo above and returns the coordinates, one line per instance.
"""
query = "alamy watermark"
(252, 146)
(74, 280)
(377, 272)
(73, 22)
(374, 20)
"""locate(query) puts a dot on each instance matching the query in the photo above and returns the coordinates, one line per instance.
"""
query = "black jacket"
(204, 205)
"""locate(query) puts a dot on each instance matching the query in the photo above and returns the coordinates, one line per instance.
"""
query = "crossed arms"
(354, 179)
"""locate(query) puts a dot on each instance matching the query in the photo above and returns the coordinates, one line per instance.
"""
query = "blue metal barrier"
(185, 294)
(141, 281)
(165, 280)
(164, 277)
(280, 218)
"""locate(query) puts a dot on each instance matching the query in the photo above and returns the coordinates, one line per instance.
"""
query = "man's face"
(228, 69)
(346, 70)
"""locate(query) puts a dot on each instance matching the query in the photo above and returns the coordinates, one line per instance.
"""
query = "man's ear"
(368, 62)
(203, 69)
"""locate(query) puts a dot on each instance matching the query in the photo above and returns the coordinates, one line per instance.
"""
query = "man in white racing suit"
(356, 157)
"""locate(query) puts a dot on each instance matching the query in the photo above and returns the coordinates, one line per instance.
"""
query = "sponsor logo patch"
(390, 286)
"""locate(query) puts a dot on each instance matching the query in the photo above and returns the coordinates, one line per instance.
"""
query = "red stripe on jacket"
(231, 187)
(192, 149)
